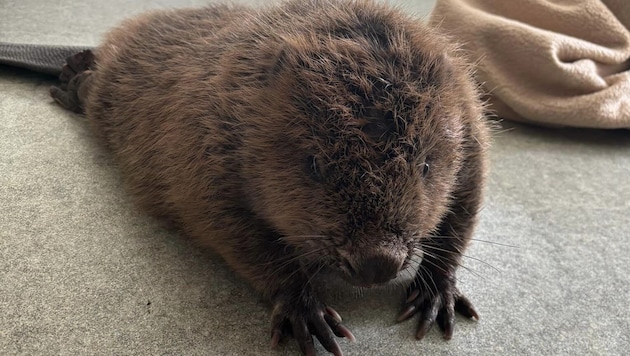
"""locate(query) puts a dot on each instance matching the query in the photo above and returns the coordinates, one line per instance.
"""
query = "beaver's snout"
(376, 269)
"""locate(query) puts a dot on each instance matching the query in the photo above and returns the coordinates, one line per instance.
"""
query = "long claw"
(337, 328)
(328, 342)
(448, 332)
(407, 313)
(321, 328)
(332, 312)
(446, 321)
(466, 308)
(423, 328)
(428, 316)
(276, 335)
(304, 338)
(412, 296)
(342, 331)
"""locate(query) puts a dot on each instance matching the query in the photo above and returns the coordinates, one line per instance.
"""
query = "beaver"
(295, 138)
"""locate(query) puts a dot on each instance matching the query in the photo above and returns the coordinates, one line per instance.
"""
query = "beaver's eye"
(375, 130)
(425, 169)
(379, 125)
(312, 168)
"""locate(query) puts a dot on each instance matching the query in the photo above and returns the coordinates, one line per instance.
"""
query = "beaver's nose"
(378, 269)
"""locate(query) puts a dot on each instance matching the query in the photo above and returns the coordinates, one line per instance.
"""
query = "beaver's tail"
(73, 65)
(47, 59)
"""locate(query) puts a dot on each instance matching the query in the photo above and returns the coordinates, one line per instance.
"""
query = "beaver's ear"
(279, 61)
(294, 52)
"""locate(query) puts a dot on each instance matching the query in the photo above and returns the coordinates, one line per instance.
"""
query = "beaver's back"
(155, 101)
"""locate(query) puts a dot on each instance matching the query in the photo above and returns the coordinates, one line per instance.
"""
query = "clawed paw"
(303, 322)
(436, 299)
(71, 91)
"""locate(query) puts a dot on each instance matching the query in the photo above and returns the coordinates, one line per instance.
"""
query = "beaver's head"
(357, 142)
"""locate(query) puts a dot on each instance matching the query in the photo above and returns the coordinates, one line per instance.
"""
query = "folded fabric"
(554, 62)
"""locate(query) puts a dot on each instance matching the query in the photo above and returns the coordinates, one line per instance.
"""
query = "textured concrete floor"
(81, 272)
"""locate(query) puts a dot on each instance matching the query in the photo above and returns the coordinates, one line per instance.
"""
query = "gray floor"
(81, 272)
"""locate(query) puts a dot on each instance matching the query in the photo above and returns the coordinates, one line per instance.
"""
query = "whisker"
(463, 255)
(471, 271)
(279, 268)
(459, 281)
(435, 257)
(290, 275)
(321, 266)
(411, 276)
(477, 240)
(502, 131)
(468, 269)
(294, 257)
(426, 285)
(496, 243)
(297, 270)
(473, 239)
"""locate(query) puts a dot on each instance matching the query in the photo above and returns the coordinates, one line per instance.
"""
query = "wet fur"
(294, 138)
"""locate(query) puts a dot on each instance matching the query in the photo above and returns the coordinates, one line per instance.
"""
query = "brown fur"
(295, 137)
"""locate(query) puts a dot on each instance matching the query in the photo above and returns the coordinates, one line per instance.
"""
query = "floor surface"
(83, 273)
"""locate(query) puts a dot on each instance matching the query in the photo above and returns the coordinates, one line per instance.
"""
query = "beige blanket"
(555, 62)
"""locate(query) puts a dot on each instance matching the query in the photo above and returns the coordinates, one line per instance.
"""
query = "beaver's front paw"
(306, 317)
(435, 297)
